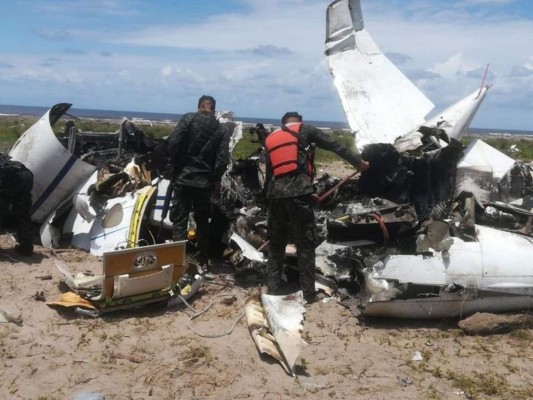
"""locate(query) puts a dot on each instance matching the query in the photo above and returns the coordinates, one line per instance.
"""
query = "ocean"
(114, 114)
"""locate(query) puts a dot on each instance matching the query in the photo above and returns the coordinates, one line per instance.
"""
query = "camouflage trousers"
(197, 200)
(15, 204)
(292, 217)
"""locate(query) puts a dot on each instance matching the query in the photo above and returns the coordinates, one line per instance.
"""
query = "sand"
(159, 353)
(153, 353)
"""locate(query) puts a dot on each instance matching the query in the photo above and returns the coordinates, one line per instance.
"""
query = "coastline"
(151, 118)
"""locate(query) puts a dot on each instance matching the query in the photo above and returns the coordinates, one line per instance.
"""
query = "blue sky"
(259, 58)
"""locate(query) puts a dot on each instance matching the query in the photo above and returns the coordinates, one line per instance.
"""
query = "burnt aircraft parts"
(399, 239)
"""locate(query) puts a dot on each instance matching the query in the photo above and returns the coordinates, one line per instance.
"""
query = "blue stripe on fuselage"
(53, 185)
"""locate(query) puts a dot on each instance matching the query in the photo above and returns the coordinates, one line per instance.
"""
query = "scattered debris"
(275, 323)
(417, 356)
(130, 278)
(404, 381)
(71, 299)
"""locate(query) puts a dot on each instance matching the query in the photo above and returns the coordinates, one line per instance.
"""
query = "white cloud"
(265, 25)
(166, 71)
(88, 7)
(269, 57)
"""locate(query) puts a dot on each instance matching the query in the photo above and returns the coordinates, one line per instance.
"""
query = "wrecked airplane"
(418, 235)
(87, 185)
(371, 87)
(447, 259)
(100, 191)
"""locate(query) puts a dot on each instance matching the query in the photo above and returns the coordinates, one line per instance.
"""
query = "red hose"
(382, 225)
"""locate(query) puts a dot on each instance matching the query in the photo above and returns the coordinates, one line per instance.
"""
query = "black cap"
(290, 114)
(207, 98)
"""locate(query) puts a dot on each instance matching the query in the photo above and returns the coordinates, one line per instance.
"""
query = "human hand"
(363, 166)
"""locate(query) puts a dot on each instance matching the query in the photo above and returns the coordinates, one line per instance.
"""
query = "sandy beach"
(160, 353)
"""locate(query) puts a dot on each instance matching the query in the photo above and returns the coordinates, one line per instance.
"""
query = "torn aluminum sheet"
(57, 173)
(227, 118)
(382, 104)
(80, 282)
(79, 219)
(379, 101)
(117, 224)
(480, 154)
(285, 316)
(258, 327)
(248, 251)
(481, 169)
(491, 274)
(275, 324)
(337, 266)
(447, 305)
(61, 173)
(451, 123)
(126, 233)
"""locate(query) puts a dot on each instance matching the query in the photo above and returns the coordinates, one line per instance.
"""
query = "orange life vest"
(282, 148)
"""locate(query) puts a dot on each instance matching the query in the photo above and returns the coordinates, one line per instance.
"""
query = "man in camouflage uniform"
(199, 154)
(16, 182)
(290, 206)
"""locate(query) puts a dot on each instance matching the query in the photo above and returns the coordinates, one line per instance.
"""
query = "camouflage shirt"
(198, 150)
(300, 183)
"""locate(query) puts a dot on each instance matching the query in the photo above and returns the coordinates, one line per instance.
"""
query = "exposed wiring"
(197, 314)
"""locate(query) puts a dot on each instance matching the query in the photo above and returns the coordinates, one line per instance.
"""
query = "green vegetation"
(158, 131)
(86, 125)
(250, 143)
(524, 147)
(473, 385)
(12, 127)
(246, 146)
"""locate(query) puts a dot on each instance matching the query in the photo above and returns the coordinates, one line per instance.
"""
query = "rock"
(486, 323)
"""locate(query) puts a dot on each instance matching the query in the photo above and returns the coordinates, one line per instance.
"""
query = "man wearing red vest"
(289, 186)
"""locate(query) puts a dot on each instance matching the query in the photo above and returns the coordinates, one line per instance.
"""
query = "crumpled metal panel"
(447, 305)
(454, 120)
(499, 262)
(275, 324)
(56, 172)
(457, 117)
(480, 154)
(379, 101)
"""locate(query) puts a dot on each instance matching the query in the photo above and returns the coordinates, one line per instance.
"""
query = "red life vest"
(282, 148)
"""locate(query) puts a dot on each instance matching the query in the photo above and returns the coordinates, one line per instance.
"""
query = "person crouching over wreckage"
(289, 189)
(199, 155)
(16, 183)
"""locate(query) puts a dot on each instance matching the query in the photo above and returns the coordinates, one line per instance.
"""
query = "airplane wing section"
(379, 101)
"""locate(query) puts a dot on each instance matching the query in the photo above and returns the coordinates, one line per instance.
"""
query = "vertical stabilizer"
(379, 101)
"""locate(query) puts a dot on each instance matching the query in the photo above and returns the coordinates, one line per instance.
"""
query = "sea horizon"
(37, 111)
